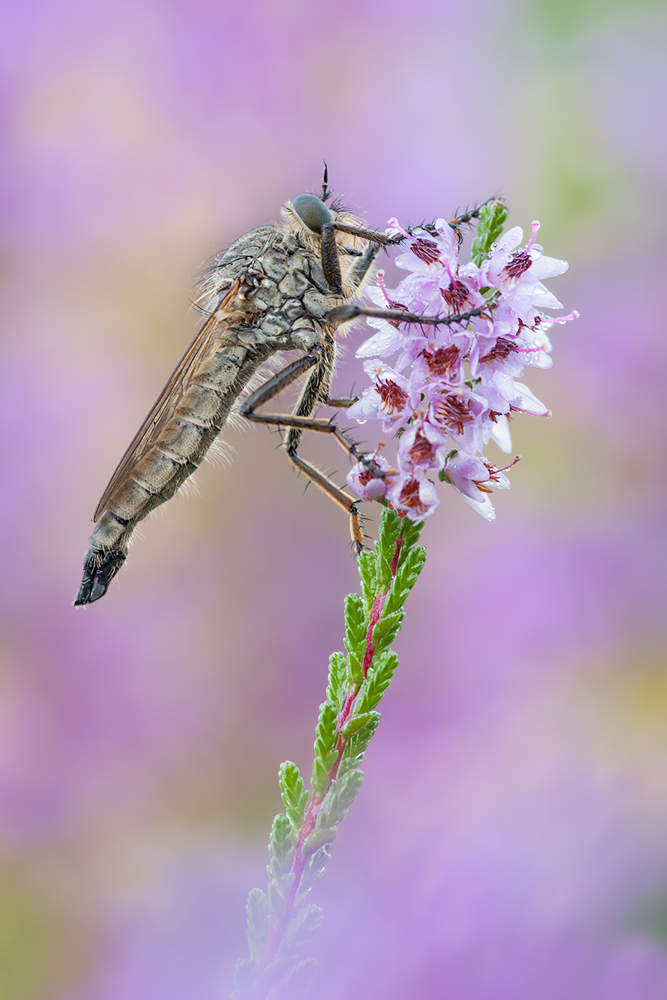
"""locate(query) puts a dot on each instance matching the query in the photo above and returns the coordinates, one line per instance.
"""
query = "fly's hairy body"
(267, 293)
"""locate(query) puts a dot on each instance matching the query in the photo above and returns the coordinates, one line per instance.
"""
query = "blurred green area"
(557, 23)
(41, 947)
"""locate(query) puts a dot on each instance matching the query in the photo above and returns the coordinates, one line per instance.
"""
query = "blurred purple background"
(510, 841)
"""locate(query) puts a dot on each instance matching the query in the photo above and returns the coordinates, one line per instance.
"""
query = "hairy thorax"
(288, 297)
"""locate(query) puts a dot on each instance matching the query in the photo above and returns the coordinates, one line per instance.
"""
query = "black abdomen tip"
(99, 569)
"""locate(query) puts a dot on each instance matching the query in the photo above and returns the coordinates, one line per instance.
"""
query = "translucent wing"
(167, 400)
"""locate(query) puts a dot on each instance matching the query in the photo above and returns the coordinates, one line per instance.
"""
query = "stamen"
(393, 397)
(518, 263)
(453, 411)
(441, 361)
(456, 295)
(503, 348)
(426, 250)
(517, 458)
(410, 496)
(422, 451)
(493, 474)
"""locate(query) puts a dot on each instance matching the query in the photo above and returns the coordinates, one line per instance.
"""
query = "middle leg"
(316, 390)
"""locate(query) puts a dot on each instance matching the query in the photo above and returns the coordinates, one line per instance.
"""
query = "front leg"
(330, 258)
(361, 267)
(343, 314)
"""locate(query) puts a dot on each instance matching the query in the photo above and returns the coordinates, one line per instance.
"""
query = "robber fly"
(276, 288)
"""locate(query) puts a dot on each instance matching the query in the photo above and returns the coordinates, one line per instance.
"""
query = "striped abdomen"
(172, 455)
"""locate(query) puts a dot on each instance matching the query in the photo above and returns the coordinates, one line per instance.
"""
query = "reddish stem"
(346, 708)
(374, 618)
(278, 927)
(397, 553)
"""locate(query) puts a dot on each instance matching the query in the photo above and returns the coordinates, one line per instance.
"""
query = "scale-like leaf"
(491, 220)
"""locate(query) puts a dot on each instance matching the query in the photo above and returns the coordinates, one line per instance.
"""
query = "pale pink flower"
(454, 386)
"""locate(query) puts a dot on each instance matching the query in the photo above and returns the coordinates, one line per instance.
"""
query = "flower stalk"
(281, 921)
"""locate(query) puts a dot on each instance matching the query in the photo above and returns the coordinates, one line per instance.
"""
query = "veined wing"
(167, 400)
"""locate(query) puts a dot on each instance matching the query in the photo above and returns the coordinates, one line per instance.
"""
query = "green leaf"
(280, 846)
(329, 761)
(366, 564)
(244, 977)
(355, 624)
(387, 624)
(350, 763)
(491, 221)
(358, 743)
(336, 805)
(405, 579)
(378, 680)
(277, 894)
(410, 531)
(356, 723)
(274, 975)
(303, 925)
(385, 547)
(320, 846)
(325, 734)
(387, 640)
(355, 670)
(320, 780)
(259, 922)
(320, 839)
(300, 978)
(338, 682)
(295, 799)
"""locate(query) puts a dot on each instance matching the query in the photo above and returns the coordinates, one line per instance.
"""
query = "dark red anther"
(456, 295)
(518, 263)
(426, 250)
(393, 397)
(502, 349)
(422, 450)
(454, 412)
(441, 361)
(410, 496)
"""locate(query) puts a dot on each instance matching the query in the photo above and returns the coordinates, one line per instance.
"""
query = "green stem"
(347, 722)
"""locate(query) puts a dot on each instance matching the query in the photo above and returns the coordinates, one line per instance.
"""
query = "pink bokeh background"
(510, 840)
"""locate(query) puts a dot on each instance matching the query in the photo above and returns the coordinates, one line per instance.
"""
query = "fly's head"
(312, 212)
(321, 228)
(310, 216)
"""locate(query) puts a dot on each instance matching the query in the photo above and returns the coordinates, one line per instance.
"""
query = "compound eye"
(312, 211)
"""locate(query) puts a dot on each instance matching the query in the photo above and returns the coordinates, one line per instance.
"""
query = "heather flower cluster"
(453, 386)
